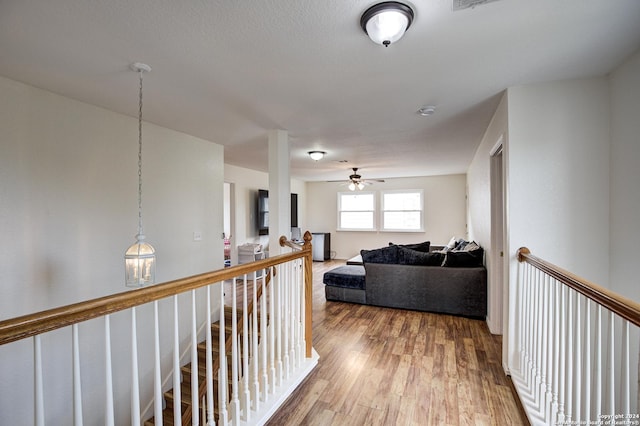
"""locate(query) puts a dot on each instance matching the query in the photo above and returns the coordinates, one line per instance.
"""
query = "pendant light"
(140, 258)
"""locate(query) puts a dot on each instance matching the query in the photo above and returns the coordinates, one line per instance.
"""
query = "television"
(263, 211)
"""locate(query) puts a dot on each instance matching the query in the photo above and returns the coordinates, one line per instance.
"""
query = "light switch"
(197, 236)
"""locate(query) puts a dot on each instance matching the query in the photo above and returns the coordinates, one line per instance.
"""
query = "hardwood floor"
(381, 366)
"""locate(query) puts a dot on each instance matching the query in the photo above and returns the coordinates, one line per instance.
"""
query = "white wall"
(445, 213)
(246, 183)
(558, 179)
(68, 212)
(624, 193)
(625, 176)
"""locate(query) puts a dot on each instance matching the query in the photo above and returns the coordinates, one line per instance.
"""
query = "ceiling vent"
(468, 4)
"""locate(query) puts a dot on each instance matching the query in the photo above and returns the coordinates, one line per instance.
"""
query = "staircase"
(260, 372)
(185, 371)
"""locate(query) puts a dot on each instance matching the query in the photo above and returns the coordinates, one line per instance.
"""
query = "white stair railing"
(269, 323)
(572, 354)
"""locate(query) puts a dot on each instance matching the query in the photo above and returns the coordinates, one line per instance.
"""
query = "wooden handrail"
(31, 325)
(625, 308)
(297, 246)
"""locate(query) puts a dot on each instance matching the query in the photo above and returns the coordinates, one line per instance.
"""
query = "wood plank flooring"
(381, 366)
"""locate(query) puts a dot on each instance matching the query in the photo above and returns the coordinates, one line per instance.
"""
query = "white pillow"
(452, 243)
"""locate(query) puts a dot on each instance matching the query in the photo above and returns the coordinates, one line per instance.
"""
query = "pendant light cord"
(140, 72)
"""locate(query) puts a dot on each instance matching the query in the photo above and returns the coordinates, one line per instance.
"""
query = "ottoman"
(345, 284)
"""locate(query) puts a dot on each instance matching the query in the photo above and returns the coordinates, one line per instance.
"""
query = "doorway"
(497, 261)
(228, 225)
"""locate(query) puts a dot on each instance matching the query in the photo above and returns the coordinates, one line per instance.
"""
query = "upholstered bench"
(345, 284)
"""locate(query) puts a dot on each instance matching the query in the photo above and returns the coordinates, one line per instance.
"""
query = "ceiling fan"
(356, 182)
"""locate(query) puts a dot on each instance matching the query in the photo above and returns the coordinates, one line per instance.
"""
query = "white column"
(279, 189)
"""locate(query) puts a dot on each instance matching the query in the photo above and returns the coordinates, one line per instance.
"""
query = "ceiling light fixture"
(140, 258)
(427, 110)
(316, 155)
(386, 22)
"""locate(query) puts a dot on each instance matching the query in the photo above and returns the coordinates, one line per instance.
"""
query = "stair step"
(185, 384)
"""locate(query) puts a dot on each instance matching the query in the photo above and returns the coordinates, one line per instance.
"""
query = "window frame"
(383, 210)
(374, 216)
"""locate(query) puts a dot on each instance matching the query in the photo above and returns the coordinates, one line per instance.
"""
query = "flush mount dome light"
(386, 22)
(426, 110)
(316, 155)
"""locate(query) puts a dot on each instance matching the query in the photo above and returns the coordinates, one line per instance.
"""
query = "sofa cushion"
(347, 276)
(412, 257)
(382, 255)
(464, 259)
(423, 247)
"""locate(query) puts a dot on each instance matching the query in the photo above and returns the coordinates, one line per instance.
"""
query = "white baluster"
(38, 382)
(235, 403)
(520, 312)
(543, 347)
(279, 329)
(223, 399)
(562, 356)
(611, 367)
(157, 382)
(210, 404)
(528, 327)
(569, 362)
(625, 389)
(246, 400)
(270, 380)
(557, 312)
(135, 386)
(255, 388)
(597, 371)
(586, 386)
(77, 387)
(195, 397)
(286, 319)
(299, 303)
(177, 392)
(577, 360)
(536, 336)
(260, 346)
(292, 314)
(303, 314)
(108, 373)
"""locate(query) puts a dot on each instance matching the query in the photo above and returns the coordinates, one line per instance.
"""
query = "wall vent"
(468, 4)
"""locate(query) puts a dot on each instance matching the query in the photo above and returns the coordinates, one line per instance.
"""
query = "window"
(356, 211)
(402, 210)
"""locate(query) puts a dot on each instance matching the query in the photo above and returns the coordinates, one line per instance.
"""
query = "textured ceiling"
(229, 71)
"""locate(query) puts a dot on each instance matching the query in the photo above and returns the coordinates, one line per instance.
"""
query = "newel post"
(522, 253)
(308, 291)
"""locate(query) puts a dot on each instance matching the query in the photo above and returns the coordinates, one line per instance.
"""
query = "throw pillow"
(464, 259)
(461, 244)
(471, 246)
(452, 243)
(413, 257)
(382, 255)
(423, 247)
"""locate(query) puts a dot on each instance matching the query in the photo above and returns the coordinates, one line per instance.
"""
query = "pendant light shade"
(386, 22)
(140, 263)
(140, 258)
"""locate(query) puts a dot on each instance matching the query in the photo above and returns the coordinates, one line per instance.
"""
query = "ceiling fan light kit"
(386, 22)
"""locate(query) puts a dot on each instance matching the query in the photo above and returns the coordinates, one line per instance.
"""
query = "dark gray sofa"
(455, 290)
